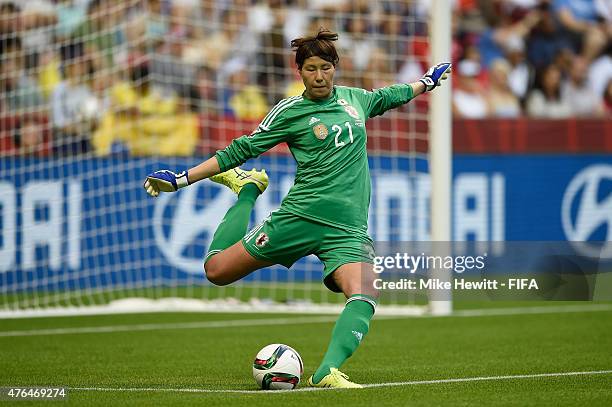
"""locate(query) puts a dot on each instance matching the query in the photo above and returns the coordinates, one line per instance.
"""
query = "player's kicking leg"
(227, 260)
(356, 282)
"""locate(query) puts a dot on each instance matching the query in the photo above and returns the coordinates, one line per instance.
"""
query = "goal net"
(96, 94)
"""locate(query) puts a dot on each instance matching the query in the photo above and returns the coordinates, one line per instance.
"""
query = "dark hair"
(320, 45)
(10, 6)
(139, 74)
(72, 50)
(541, 78)
(94, 4)
(9, 43)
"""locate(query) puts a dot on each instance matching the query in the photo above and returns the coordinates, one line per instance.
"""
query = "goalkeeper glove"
(165, 181)
(435, 75)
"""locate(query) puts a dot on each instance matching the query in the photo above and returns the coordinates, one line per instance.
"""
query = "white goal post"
(440, 146)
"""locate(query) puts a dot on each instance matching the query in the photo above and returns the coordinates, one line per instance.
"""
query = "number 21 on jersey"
(338, 129)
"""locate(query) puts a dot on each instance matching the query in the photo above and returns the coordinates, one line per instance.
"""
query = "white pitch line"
(373, 385)
(485, 378)
(298, 320)
(545, 309)
(177, 325)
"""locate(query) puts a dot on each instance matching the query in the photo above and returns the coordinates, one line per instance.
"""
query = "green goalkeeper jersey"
(328, 140)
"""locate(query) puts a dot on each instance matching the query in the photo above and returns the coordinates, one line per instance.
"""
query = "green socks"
(236, 221)
(351, 327)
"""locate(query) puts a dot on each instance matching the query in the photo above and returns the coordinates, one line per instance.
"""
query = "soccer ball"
(278, 367)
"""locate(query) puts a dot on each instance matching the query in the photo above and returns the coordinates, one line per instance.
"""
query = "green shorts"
(284, 238)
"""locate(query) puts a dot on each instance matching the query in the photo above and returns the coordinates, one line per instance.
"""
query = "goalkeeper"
(326, 211)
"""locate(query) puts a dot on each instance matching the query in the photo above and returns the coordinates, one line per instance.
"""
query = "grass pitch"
(194, 359)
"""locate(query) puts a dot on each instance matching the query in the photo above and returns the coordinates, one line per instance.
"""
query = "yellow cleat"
(336, 379)
(236, 178)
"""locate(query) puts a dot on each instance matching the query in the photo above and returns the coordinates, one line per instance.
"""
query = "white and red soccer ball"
(278, 367)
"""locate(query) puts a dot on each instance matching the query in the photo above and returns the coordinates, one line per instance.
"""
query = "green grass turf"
(395, 350)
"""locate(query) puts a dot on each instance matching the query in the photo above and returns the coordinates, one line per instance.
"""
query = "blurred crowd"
(138, 76)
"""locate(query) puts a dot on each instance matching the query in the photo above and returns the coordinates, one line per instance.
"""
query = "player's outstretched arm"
(239, 151)
(168, 181)
(379, 101)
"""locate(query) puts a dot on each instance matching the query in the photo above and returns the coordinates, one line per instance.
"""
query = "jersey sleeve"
(270, 132)
(380, 100)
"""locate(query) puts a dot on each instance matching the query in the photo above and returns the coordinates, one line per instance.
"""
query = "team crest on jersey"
(349, 109)
(262, 240)
(352, 112)
(320, 131)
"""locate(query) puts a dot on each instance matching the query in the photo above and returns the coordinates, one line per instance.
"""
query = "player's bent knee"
(217, 279)
(214, 272)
